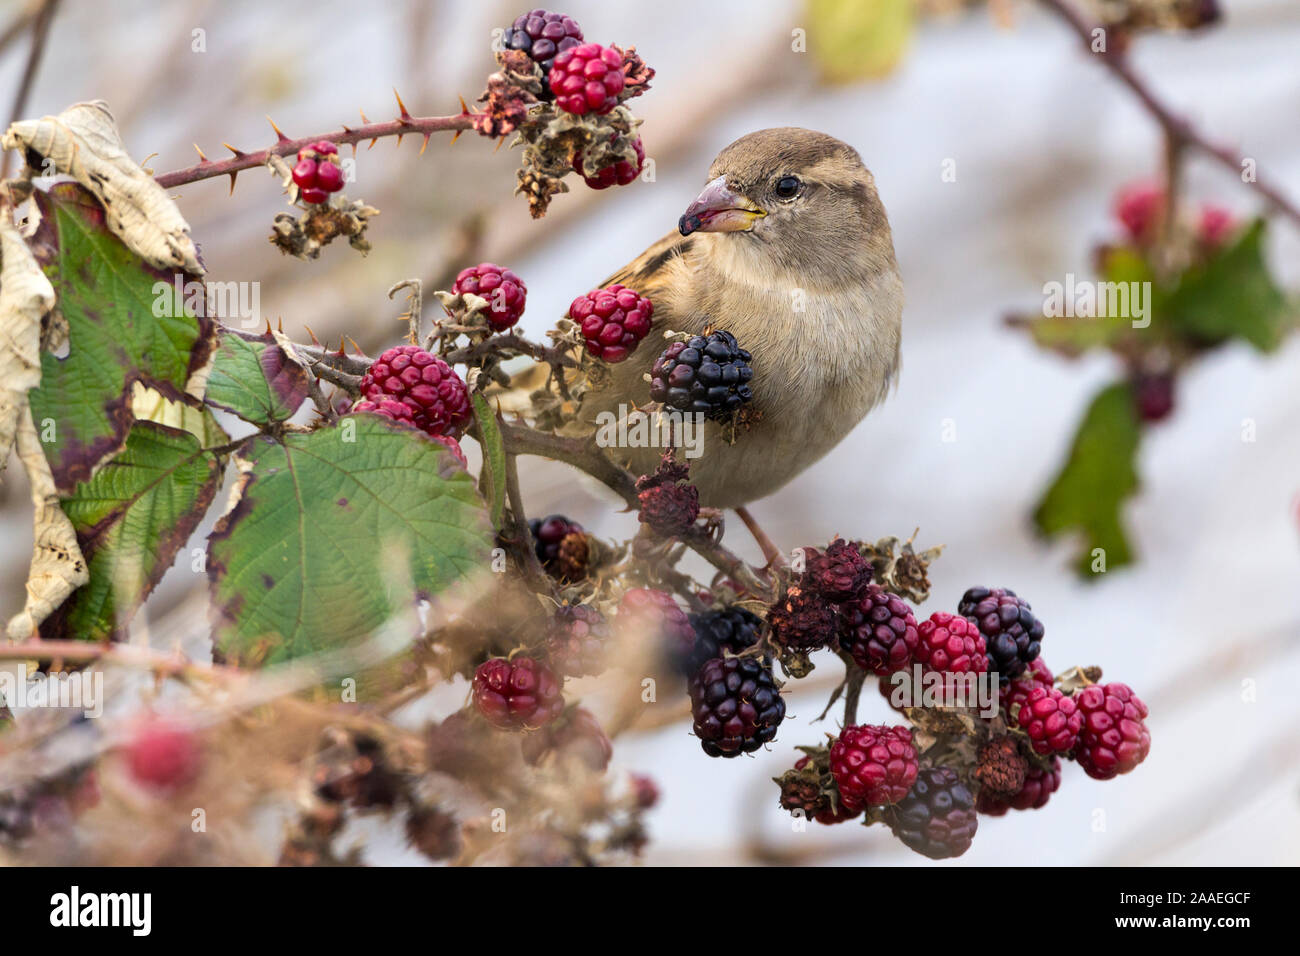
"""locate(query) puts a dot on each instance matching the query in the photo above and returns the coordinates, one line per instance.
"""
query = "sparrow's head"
(793, 200)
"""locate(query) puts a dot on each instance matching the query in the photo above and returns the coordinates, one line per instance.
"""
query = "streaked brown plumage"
(807, 283)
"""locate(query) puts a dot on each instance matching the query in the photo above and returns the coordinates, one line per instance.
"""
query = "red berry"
(621, 173)
(646, 612)
(837, 573)
(873, 765)
(614, 320)
(163, 755)
(388, 407)
(948, 642)
(324, 147)
(879, 630)
(454, 447)
(644, 790)
(587, 79)
(329, 176)
(304, 173)
(1216, 225)
(519, 694)
(1038, 786)
(1154, 395)
(438, 399)
(1051, 719)
(1114, 738)
(504, 291)
(1137, 206)
(314, 195)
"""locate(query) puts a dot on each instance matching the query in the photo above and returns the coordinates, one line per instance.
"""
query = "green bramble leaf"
(1232, 296)
(253, 378)
(1099, 474)
(125, 326)
(494, 458)
(334, 532)
(131, 519)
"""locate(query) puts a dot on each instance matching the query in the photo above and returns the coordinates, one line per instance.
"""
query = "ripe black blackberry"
(542, 34)
(707, 374)
(562, 554)
(937, 818)
(1011, 632)
(736, 705)
(731, 629)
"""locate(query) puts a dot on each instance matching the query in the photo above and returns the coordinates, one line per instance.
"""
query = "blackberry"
(670, 505)
(802, 621)
(736, 705)
(873, 765)
(937, 818)
(1039, 785)
(879, 630)
(542, 34)
(428, 386)
(576, 642)
(1115, 738)
(587, 79)
(731, 629)
(707, 374)
(557, 542)
(1012, 635)
(837, 573)
(1000, 767)
(518, 694)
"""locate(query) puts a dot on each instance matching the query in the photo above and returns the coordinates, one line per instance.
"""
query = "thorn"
(340, 349)
(498, 145)
(425, 144)
(232, 181)
(357, 347)
(202, 159)
(279, 134)
(268, 327)
(279, 325)
(405, 117)
(147, 158)
(239, 153)
(464, 110)
(364, 118)
(399, 138)
(314, 340)
(372, 143)
(457, 136)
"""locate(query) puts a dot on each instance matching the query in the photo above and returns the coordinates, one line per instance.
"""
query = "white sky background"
(1041, 140)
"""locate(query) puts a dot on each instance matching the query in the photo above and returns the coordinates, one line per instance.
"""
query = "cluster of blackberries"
(707, 375)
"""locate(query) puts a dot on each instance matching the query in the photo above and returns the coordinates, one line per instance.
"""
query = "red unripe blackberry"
(317, 172)
(1137, 207)
(392, 408)
(1154, 395)
(653, 614)
(879, 630)
(518, 694)
(1215, 226)
(736, 705)
(729, 630)
(586, 79)
(577, 735)
(1051, 719)
(937, 818)
(873, 765)
(838, 572)
(706, 375)
(1039, 785)
(577, 639)
(163, 755)
(613, 320)
(505, 292)
(453, 446)
(554, 538)
(438, 399)
(1114, 738)
(1012, 635)
(645, 792)
(542, 34)
(802, 621)
(950, 643)
(622, 173)
(1013, 693)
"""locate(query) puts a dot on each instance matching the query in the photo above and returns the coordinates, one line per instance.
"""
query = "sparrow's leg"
(770, 550)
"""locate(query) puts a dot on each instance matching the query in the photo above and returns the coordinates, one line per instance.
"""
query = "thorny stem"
(404, 125)
(1178, 130)
(854, 678)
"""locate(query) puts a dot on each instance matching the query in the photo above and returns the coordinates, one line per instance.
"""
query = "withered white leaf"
(83, 142)
(58, 567)
(25, 297)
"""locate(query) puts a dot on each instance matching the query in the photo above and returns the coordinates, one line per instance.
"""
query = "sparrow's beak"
(718, 209)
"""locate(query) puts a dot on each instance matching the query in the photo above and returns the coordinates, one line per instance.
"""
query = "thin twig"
(40, 33)
(1177, 128)
(522, 537)
(409, 126)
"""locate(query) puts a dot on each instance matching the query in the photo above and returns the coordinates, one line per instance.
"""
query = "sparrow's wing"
(648, 272)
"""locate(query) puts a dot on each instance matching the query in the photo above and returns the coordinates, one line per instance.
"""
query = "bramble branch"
(1178, 131)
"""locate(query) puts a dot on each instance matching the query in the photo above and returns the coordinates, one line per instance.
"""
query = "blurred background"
(1205, 626)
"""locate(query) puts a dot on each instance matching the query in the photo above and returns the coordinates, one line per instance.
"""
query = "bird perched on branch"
(788, 248)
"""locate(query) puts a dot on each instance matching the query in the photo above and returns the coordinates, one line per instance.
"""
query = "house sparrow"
(787, 248)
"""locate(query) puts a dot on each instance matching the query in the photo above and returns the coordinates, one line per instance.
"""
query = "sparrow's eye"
(787, 187)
